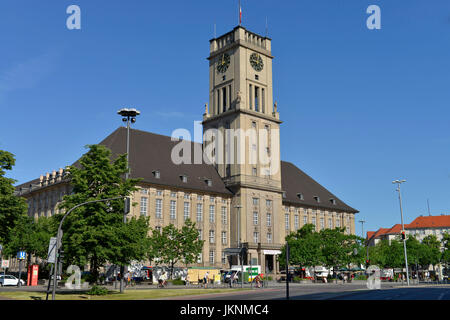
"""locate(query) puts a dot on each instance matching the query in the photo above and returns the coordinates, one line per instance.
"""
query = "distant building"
(421, 227)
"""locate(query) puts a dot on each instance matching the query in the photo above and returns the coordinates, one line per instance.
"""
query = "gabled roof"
(151, 152)
(294, 181)
(442, 221)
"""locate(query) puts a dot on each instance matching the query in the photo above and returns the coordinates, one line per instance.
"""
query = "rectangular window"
(255, 218)
(314, 220)
(211, 256)
(199, 212)
(144, 191)
(158, 192)
(224, 258)
(296, 222)
(173, 209)
(158, 208)
(144, 201)
(256, 98)
(186, 196)
(173, 194)
(212, 217)
(255, 237)
(211, 199)
(250, 97)
(269, 238)
(286, 221)
(211, 236)
(255, 201)
(330, 223)
(224, 99)
(263, 105)
(322, 224)
(224, 237)
(269, 219)
(199, 198)
(200, 234)
(269, 203)
(224, 215)
(186, 211)
(338, 223)
(254, 172)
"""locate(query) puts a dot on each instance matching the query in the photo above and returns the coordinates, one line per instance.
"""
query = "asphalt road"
(337, 292)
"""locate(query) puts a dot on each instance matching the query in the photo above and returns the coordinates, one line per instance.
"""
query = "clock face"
(256, 62)
(223, 63)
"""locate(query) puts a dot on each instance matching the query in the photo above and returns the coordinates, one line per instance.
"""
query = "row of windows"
(313, 221)
(186, 196)
(212, 236)
(186, 210)
(212, 255)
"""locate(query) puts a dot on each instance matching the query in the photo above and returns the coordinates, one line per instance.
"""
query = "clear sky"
(360, 107)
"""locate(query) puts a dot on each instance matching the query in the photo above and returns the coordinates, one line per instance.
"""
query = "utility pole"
(287, 270)
(399, 182)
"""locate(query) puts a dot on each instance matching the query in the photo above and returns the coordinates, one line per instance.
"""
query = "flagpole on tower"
(240, 13)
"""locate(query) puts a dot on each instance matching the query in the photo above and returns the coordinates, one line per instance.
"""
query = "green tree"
(387, 255)
(304, 248)
(431, 252)
(446, 244)
(95, 233)
(172, 245)
(31, 236)
(12, 208)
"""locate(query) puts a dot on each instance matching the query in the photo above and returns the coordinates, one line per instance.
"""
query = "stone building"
(232, 199)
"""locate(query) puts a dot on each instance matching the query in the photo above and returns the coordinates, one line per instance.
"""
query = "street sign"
(5, 264)
(52, 250)
(21, 255)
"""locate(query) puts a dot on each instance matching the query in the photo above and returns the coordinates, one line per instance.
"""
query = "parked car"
(9, 280)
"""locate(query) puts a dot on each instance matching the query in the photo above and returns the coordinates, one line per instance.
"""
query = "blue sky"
(360, 107)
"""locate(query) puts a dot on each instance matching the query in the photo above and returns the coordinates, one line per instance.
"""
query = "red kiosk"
(33, 271)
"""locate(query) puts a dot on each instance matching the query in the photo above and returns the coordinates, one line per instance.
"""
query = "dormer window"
(156, 174)
(208, 182)
(317, 198)
(333, 201)
(284, 194)
(300, 196)
(183, 178)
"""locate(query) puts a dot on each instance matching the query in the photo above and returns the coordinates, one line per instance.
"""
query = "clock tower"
(244, 144)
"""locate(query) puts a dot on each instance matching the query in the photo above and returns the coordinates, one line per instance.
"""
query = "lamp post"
(128, 115)
(399, 182)
(238, 207)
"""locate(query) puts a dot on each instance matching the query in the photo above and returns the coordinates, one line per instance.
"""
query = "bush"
(97, 291)
(297, 279)
(177, 282)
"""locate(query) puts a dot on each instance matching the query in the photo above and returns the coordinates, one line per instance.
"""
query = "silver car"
(9, 280)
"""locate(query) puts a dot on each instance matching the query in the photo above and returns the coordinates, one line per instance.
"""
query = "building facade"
(234, 198)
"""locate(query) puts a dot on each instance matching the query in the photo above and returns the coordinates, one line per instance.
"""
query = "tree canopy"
(95, 233)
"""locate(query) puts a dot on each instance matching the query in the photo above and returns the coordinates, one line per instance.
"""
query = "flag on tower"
(240, 13)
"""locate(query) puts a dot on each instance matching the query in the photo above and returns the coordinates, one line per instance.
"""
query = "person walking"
(205, 279)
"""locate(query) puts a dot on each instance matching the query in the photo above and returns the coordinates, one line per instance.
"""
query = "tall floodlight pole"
(362, 236)
(238, 207)
(128, 116)
(399, 182)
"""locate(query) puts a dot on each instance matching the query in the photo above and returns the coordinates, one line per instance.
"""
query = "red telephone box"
(33, 271)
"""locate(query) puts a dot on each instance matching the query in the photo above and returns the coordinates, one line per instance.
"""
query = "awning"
(273, 252)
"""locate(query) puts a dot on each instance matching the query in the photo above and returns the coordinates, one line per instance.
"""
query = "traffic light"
(127, 205)
(367, 263)
(403, 235)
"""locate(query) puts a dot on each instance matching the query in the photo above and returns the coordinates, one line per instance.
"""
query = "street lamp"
(238, 207)
(399, 182)
(128, 115)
